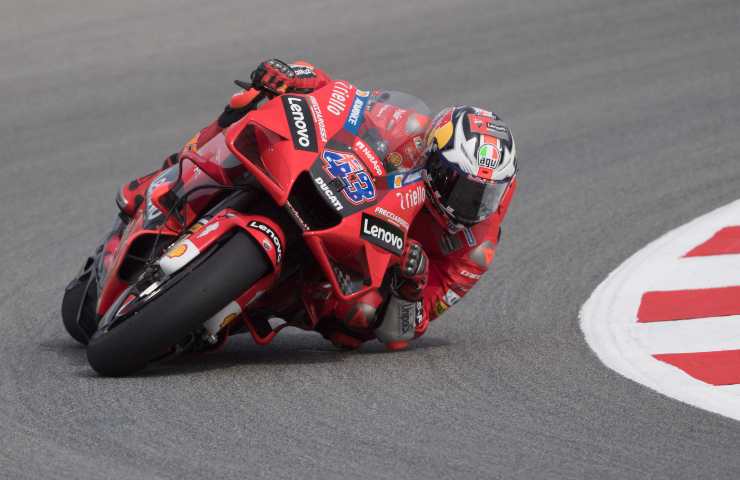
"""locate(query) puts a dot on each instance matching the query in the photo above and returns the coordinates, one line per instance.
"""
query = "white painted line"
(686, 336)
(699, 272)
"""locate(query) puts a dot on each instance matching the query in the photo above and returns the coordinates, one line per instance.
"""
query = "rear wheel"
(78, 304)
(154, 316)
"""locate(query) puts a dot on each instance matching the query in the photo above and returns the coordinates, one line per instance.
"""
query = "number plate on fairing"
(344, 181)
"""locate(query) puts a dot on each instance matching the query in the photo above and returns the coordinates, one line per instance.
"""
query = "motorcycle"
(305, 200)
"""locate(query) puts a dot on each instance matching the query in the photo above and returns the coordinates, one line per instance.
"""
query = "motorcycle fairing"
(287, 148)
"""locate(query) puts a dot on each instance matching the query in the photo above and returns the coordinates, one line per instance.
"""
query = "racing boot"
(132, 195)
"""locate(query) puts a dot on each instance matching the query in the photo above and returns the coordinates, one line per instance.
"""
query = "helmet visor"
(465, 198)
(471, 201)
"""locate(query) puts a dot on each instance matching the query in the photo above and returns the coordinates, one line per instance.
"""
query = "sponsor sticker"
(412, 177)
(488, 125)
(440, 307)
(412, 198)
(318, 117)
(451, 297)
(471, 275)
(419, 313)
(208, 230)
(271, 235)
(227, 320)
(302, 71)
(358, 187)
(469, 237)
(489, 154)
(356, 112)
(392, 217)
(395, 159)
(381, 233)
(177, 251)
(299, 121)
(329, 194)
(368, 156)
(407, 315)
(338, 98)
(198, 226)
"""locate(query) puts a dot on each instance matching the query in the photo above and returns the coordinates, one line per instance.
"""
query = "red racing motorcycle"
(306, 199)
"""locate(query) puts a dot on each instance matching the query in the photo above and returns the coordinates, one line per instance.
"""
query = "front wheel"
(158, 317)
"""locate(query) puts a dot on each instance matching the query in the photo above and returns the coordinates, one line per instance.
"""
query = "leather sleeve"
(470, 254)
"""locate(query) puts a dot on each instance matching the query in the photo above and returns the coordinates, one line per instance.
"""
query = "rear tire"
(82, 292)
(168, 318)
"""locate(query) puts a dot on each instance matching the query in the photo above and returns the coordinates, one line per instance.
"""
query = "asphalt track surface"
(627, 117)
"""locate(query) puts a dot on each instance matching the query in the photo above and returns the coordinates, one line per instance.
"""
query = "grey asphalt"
(627, 116)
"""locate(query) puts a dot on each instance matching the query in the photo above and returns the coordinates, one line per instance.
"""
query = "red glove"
(414, 272)
(278, 77)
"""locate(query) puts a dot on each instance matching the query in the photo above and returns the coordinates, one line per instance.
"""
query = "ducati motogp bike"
(307, 198)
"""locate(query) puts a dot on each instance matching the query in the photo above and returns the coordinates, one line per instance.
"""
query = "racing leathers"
(438, 267)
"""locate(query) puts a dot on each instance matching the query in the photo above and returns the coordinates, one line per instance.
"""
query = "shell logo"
(227, 320)
(177, 251)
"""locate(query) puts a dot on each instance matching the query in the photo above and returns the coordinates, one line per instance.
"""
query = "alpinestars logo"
(271, 235)
(382, 234)
(411, 315)
(407, 315)
(300, 122)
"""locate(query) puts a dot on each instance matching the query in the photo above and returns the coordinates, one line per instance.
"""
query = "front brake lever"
(243, 84)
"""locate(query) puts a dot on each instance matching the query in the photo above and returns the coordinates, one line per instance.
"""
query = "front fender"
(265, 231)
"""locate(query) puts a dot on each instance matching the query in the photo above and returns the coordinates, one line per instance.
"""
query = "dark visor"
(467, 199)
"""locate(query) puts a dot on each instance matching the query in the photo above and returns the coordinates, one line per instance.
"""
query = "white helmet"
(471, 163)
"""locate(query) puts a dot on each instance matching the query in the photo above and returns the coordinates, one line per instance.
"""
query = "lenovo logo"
(382, 234)
(300, 123)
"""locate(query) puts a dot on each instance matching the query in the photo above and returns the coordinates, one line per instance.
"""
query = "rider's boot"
(132, 194)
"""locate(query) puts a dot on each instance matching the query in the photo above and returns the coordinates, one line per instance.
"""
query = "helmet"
(471, 163)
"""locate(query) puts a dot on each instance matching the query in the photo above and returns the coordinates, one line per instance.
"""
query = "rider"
(470, 179)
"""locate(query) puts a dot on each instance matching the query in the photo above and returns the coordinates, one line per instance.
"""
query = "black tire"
(82, 292)
(179, 310)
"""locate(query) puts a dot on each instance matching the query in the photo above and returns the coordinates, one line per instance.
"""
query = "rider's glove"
(277, 77)
(274, 75)
(413, 272)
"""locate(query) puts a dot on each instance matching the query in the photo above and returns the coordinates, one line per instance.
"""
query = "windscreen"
(394, 125)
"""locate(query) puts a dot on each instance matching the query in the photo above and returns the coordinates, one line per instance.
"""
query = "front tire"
(193, 296)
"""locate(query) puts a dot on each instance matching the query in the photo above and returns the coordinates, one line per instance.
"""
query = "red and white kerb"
(669, 316)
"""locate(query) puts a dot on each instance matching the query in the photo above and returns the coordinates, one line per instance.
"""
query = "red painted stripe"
(715, 368)
(724, 242)
(689, 304)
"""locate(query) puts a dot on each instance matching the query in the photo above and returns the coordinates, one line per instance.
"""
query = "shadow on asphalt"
(240, 351)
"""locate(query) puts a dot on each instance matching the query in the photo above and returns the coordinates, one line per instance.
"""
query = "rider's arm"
(452, 276)
(305, 78)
